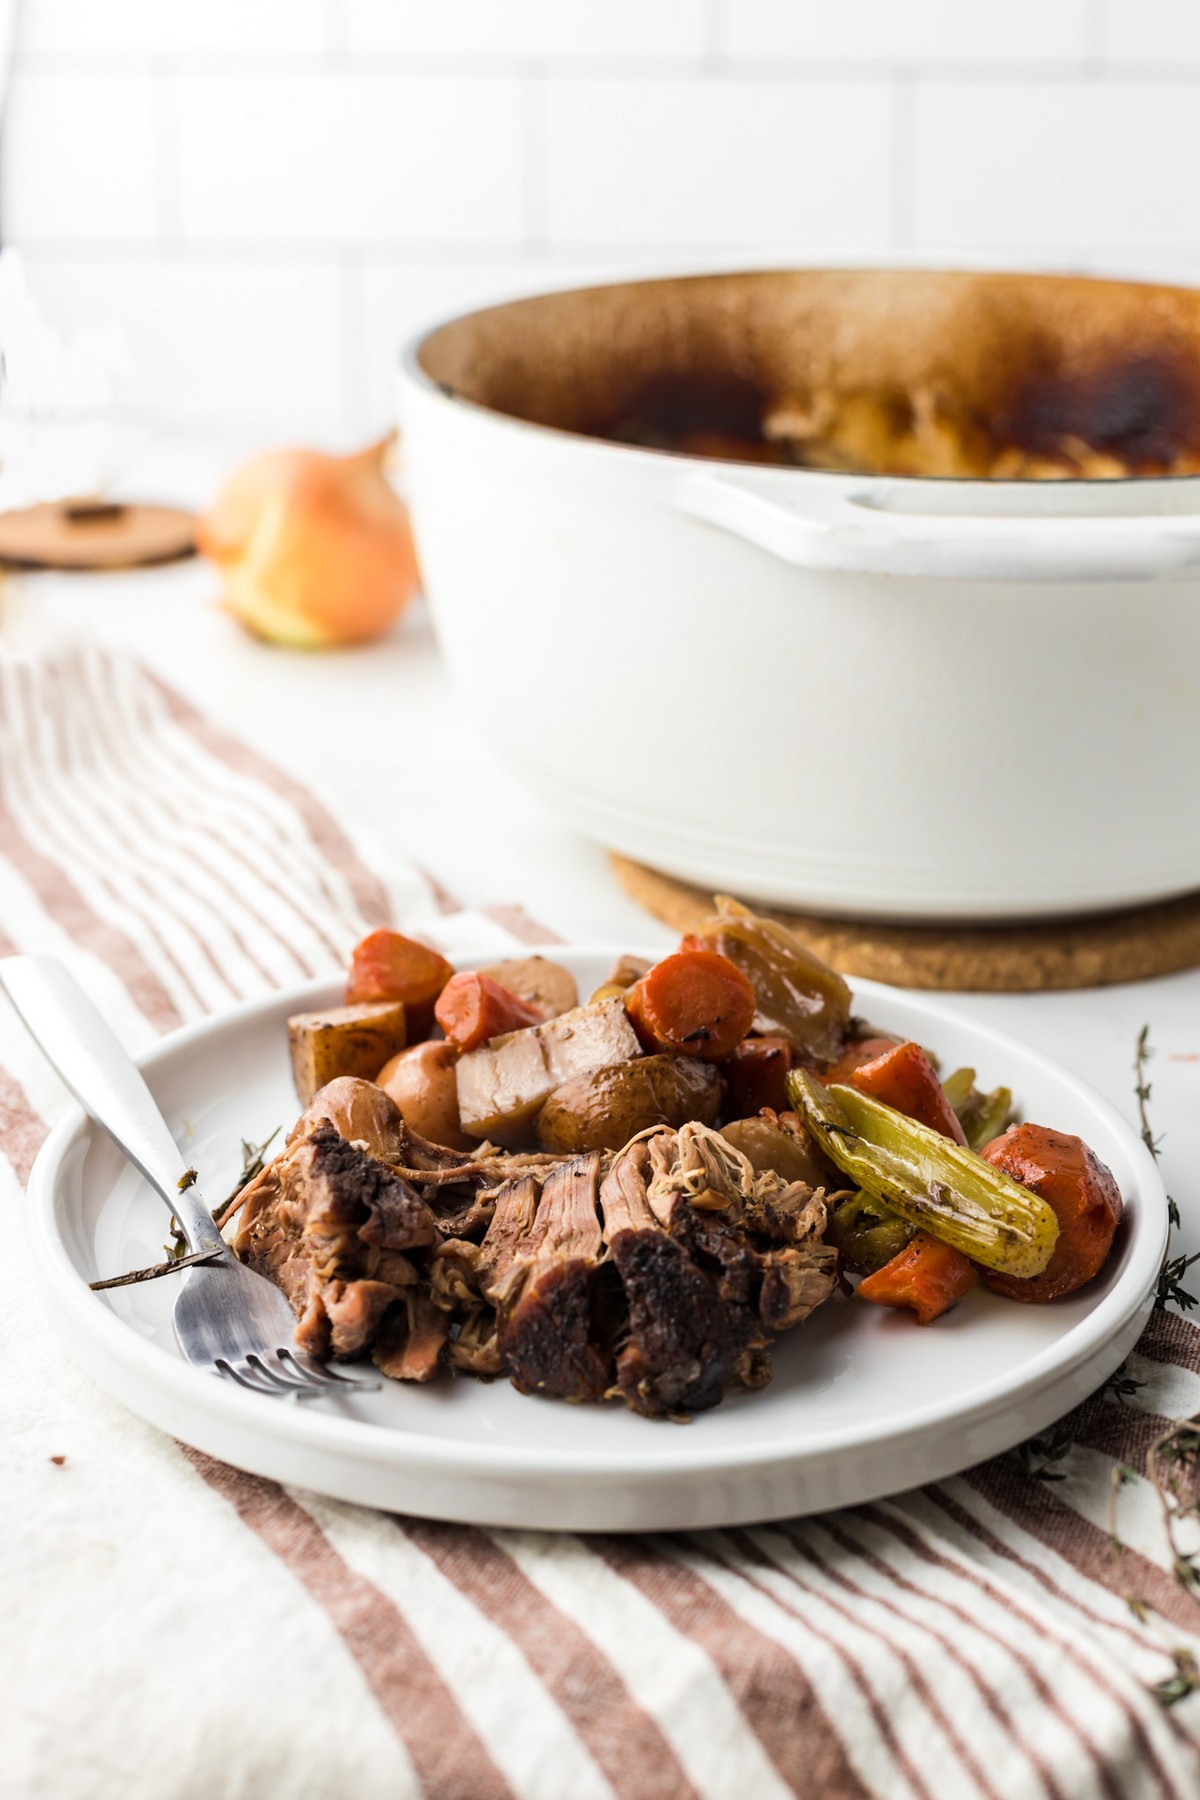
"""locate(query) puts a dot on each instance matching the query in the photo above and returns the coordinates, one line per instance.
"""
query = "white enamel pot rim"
(1133, 529)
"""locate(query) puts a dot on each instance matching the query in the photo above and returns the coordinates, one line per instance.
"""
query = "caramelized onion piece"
(799, 997)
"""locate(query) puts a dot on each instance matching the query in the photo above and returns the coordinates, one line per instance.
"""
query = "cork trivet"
(1131, 945)
(93, 534)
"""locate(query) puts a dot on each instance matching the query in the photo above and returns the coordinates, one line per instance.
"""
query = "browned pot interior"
(894, 371)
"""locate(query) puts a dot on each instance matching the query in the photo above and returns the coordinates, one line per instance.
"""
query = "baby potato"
(422, 1083)
(536, 979)
(603, 1110)
(791, 1154)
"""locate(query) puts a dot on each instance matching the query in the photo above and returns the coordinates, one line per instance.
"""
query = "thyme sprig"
(177, 1253)
(1042, 1457)
(1170, 1290)
(1120, 1386)
(154, 1271)
(1183, 1682)
(1172, 1464)
(253, 1163)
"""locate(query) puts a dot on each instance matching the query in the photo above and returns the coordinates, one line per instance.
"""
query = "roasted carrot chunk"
(756, 1076)
(854, 1054)
(472, 1009)
(905, 1079)
(1083, 1195)
(387, 966)
(696, 1003)
(926, 1275)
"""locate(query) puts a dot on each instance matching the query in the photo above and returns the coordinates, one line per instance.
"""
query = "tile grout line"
(352, 309)
(716, 37)
(1097, 36)
(336, 47)
(168, 170)
(414, 253)
(337, 59)
(902, 171)
(534, 187)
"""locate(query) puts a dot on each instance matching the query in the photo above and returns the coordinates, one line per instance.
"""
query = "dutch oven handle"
(858, 535)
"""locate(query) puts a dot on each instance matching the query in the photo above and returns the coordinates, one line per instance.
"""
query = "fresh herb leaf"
(1183, 1682)
(1170, 1290)
(1040, 1457)
(1120, 1385)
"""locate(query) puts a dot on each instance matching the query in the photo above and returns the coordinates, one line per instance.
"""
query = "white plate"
(864, 1402)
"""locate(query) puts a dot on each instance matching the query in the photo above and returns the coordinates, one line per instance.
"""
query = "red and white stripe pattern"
(178, 1628)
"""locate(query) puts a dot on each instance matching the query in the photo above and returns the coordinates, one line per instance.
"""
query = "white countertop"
(378, 733)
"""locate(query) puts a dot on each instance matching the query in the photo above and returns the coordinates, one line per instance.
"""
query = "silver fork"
(226, 1318)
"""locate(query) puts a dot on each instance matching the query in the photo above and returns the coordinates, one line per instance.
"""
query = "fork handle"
(107, 1084)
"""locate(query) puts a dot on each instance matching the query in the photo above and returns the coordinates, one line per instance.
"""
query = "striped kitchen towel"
(175, 1629)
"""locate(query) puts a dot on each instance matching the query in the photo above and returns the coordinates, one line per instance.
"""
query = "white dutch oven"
(892, 698)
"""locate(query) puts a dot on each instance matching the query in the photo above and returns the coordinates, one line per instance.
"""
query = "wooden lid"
(93, 534)
(1131, 945)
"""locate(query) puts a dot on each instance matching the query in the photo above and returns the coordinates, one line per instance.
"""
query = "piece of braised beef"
(683, 1339)
(411, 1338)
(552, 1338)
(335, 1229)
(526, 1299)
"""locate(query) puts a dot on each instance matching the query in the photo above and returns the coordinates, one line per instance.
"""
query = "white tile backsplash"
(566, 30)
(1154, 31)
(81, 156)
(911, 32)
(1058, 164)
(229, 346)
(267, 196)
(720, 162)
(111, 29)
(335, 158)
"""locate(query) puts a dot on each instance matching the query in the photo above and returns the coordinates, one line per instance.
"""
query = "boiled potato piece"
(503, 1084)
(603, 1110)
(346, 1040)
(791, 1154)
(421, 1082)
(536, 979)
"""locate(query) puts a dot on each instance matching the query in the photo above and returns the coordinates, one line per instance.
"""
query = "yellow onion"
(314, 549)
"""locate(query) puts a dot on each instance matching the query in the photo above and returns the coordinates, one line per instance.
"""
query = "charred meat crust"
(683, 1339)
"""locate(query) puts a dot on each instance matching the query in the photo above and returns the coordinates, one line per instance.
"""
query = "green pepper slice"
(959, 1089)
(865, 1233)
(986, 1116)
(927, 1180)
